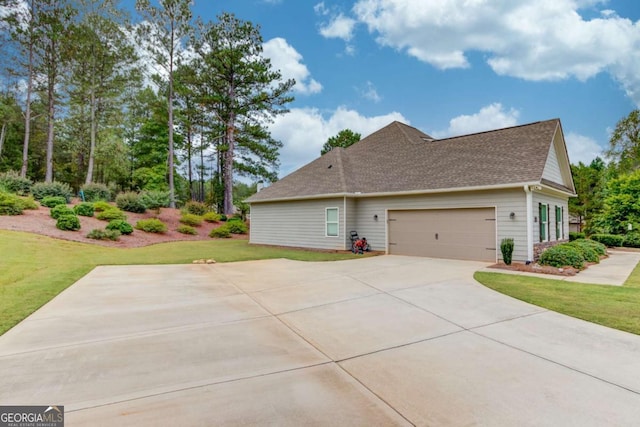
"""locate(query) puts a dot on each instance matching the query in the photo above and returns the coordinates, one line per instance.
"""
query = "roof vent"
(427, 139)
(329, 167)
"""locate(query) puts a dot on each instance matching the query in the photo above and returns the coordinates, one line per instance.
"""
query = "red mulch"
(536, 268)
(40, 222)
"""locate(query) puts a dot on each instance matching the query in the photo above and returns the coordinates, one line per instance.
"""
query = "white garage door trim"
(448, 239)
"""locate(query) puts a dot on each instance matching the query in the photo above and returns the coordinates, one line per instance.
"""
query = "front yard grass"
(35, 268)
(613, 306)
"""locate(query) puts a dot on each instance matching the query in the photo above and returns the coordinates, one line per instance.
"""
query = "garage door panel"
(444, 233)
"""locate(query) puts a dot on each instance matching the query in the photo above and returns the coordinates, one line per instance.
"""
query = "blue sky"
(448, 67)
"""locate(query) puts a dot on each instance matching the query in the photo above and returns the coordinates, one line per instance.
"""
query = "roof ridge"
(499, 130)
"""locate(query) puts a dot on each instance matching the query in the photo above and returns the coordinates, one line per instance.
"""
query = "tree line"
(156, 99)
(608, 198)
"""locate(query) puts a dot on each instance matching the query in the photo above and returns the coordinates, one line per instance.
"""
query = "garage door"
(444, 233)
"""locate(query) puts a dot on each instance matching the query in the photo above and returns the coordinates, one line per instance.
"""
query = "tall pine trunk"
(51, 113)
(228, 167)
(172, 192)
(93, 129)
(27, 116)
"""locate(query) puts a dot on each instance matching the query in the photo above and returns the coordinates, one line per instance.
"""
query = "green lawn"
(34, 268)
(613, 306)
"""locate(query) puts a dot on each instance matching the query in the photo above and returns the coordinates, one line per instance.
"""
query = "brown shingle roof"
(400, 158)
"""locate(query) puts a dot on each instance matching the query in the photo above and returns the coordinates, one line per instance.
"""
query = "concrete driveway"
(374, 341)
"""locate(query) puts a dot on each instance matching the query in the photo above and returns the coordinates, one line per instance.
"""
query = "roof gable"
(400, 158)
(557, 167)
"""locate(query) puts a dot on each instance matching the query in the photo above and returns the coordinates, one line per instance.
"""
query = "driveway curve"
(383, 340)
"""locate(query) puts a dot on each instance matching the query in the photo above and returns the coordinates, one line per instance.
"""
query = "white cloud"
(582, 148)
(285, 58)
(541, 40)
(339, 27)
(490, 117)
(303, 131)
(369, 92)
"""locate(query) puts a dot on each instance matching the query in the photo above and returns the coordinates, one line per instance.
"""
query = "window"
(559, 226)
(543, 211)
(332, 222)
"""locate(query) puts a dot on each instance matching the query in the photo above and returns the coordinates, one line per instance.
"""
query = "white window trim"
(326, 221)
(547, 233)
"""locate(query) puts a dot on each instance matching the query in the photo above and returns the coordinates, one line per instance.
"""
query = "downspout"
(529, 197)
(344, 223)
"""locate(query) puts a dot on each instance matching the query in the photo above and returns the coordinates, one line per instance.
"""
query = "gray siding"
(552, 167)
(350, 220)
(504, 201)
(552, 201)
(297, 224)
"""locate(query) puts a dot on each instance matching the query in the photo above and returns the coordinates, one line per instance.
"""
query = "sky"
(447, 67)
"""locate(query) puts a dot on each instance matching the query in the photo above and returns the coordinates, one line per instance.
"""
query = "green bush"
(84, 209)
(632, 240)
(195, 208)
(155, 200)
(53, 201)
(10, 204)
(121, 225)
(101, 205)
(211, 217)
(610, 240)
(506, 247)
(237, 227)
(575, 235)
(99, 234)
(28, 203)
(130, 202)
(223, 217)
(61, 210)
(191, 219)
(187, 229)
(40, 190)
(68, 222)
(94, 192)
(598, 247)
(562, 256)
(587, 252)
(151, 225)
(14, 183)
(111, 214)
(220, 232)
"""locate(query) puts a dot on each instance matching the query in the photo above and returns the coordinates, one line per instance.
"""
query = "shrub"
(506, 247)
(211, 217)
(561, 256)
(191, 219)
(130, 202)
(99, 234)
(14, 183)
(196, 208)
(40, 190)
(10, 204)
(237, 227)
(220, 232)
(155, 199)
(121, 225)
(84, 209)
(610, 240)
(587, 252)
(94, 192)
(68, 222)
(53, 201)
(111, 214)
(223, 217)
(187, 229)
(598, 247)
(28, 203)
(101, 205)
(152, 225)
(632, 240)
(575, 235)
(61, 210)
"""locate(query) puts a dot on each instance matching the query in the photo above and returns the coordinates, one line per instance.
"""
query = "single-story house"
(411, 194)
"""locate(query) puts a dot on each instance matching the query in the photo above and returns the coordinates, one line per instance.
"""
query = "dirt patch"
(40, 222)
(536, 268)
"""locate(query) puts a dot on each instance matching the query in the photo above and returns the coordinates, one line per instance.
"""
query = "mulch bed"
(536, 268)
